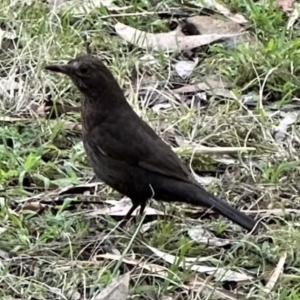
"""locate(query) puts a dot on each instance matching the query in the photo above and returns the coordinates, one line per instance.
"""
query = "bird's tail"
(226, 210)
(196, 195)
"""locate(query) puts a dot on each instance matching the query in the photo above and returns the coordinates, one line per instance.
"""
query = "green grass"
(51, 253)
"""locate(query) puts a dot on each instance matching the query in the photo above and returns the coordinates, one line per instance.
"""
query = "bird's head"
(87, 72)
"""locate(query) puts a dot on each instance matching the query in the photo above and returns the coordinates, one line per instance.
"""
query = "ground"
(60, 243)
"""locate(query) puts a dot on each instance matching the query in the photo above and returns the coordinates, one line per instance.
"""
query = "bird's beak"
(65, 69)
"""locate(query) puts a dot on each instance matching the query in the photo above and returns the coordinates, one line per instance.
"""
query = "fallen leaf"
(54, 110)
(166, 41)
(117, 290)
(237, 18)
(31, 206)
(212, 24)
(216, 25)
(226, 161)
(9, 119)
(147, 226)
(210, 86)
(286, 5)
(250, 99)
(76, 296)
(202, 86)
(4, 255)
(196, 284)
(221, 274)
(78, 189)
(9, 87)
(72, 126)
(199, 284)
(185, 68)
(276, 274)
(211, 150)
(157, 107)
(294, 16)
(41, 109)
(156, 269)
(203, 236)
(205, 180)
(273, 212)
(281, 129)
(78, 8)
(120, 208)
(11, 35)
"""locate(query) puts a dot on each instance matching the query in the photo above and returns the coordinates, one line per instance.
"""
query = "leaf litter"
(185, 68)
(212, 25)
(166, 41)
(212, 4)
(226, 93)
(196, 283)
(281, 129)
(117, 290)
(220, 274)
(203, 236)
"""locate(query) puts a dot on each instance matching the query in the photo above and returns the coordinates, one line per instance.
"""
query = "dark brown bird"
(126, 153)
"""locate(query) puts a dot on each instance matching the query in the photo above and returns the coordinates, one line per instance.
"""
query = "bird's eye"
(83, 70)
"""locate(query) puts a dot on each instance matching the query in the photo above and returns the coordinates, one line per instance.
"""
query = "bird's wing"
(137, 144)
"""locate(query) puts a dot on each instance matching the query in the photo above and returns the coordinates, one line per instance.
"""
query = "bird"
(126, 153)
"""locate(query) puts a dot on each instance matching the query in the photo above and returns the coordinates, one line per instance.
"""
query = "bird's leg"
(142, 207)
(135, 205)
(126, 218)
(131, 210)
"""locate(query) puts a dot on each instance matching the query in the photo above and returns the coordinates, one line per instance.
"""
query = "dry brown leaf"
(166, 41)
(212, 24)
(32, 206)
(117, 290)
(216, 25)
